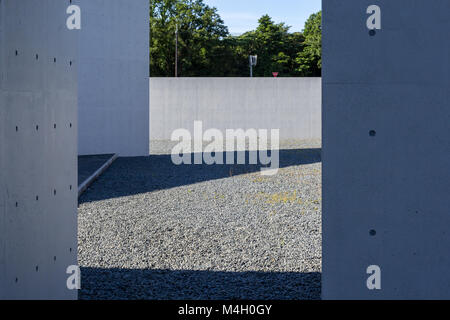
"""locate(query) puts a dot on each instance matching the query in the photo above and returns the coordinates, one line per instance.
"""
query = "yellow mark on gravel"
(280, 197)
(260, 179)
(289, 197)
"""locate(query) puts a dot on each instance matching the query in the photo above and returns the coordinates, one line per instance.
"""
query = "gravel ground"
(151, 230)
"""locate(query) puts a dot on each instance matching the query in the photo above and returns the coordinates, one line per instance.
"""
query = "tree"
(201, 34)
(275, 46)
(205, 47)
(309, 60)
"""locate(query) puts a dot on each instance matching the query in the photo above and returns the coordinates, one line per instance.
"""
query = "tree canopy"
(309, 60)
(206, 48)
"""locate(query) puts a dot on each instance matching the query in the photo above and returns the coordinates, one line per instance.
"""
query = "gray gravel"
(151, 230)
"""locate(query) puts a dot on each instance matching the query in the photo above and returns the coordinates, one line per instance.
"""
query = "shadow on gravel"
(130, 176)
(122, 284)
(88, 165)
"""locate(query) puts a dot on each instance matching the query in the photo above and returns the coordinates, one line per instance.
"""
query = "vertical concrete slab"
(293, 105)
(113, 77)
(386, 149)
(38, 150)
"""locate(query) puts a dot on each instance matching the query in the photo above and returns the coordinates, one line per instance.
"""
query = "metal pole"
(176, 51)
(251, 66)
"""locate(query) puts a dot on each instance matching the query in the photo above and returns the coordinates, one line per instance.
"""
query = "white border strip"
(82, 188)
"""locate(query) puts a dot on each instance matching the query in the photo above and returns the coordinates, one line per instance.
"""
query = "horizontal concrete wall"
(38, 150)
(113, 77)
(292, 105)
(386, 150)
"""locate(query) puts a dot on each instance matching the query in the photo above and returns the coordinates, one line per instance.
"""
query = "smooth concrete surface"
(292, 105)
(113, 77)
(386, 149)
(38, 150)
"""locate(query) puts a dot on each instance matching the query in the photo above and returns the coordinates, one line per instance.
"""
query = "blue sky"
(242, 15)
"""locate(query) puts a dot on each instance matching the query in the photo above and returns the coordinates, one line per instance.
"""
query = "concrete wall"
(113, 77)
(290, 104)
(386, 149)
(38, 138)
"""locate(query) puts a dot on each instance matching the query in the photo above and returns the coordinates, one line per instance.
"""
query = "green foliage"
(275, 46)
(205, 47)
(200, 34)
(310, 59)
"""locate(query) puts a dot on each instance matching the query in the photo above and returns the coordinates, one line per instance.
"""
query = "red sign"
(275, 74)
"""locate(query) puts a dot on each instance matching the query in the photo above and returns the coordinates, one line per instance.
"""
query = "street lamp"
(253, 60)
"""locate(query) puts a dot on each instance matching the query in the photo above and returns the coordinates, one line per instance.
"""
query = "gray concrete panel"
(292, 105)
(386, 150)
(38, 153)
(113, 77)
